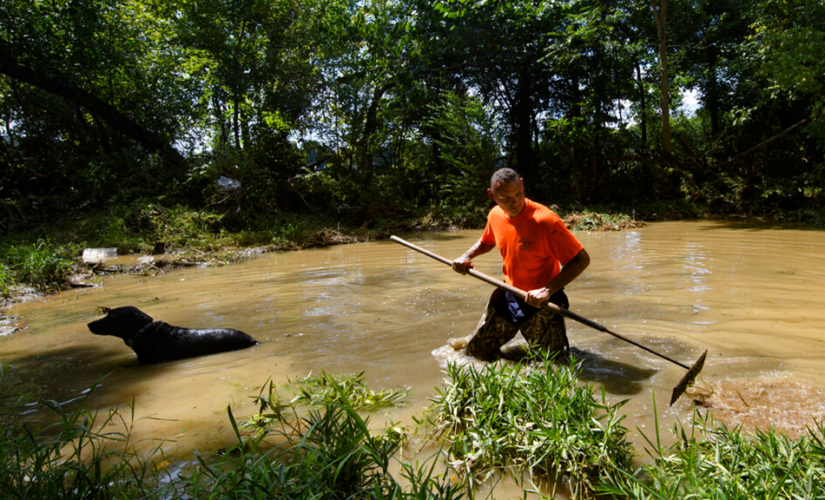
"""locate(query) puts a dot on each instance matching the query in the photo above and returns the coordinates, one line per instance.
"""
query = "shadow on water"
(617, 378)
(756, 225)
(63, 374)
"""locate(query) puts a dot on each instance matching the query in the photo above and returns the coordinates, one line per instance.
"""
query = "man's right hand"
(462, 264)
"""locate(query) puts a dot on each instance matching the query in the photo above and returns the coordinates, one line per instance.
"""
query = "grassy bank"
(329, 452)
(317, 444)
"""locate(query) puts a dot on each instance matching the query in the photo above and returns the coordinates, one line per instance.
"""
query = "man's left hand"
(538, 296)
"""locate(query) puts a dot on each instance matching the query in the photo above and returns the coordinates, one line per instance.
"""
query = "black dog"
(159, 341)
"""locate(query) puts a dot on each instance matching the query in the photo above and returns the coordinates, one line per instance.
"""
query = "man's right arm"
(464, 263)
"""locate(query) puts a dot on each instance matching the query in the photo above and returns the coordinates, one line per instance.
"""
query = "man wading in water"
(541, 256)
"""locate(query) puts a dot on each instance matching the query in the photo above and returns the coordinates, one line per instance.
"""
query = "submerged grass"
(533, 418)
(712, 461)
(326, 388)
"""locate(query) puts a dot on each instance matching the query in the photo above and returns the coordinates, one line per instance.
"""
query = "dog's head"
(121, 322)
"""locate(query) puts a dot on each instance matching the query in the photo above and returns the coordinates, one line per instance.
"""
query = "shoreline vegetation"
(551, 435)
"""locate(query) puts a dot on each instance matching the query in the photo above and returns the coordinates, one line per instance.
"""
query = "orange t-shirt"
(533, 245)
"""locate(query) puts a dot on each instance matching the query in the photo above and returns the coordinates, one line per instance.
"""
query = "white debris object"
(98, 255)
(228, 184)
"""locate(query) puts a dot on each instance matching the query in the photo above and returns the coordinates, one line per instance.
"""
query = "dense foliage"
(381, 108)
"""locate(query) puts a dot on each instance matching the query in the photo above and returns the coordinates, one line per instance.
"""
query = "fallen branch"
(761, 144)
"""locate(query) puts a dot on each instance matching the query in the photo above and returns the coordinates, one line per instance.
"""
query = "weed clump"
(327, 388)
(6, 280)
(714, 461)
(534, 418)
(43, 264)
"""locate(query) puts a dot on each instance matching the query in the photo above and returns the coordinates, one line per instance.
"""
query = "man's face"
(509, 196)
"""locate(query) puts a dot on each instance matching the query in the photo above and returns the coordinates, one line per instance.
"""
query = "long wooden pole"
(686, 380)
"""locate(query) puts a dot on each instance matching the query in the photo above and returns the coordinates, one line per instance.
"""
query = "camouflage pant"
(544, 329)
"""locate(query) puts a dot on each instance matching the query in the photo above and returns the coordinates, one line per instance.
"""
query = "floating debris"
(780, 401)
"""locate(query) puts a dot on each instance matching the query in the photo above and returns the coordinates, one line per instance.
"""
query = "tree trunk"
(660, 14)
(219, 117)
(523, 121)
(643, 114)
(371, 121)
(712, 94)
(236, 122)
(246, 134)
(575, 97)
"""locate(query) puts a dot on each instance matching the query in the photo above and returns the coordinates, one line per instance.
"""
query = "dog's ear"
(103, 310)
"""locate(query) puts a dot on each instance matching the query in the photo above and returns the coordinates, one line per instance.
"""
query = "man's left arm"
(569, 272)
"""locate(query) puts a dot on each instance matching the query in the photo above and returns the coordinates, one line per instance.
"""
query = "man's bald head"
(504, 175)
(507, 190)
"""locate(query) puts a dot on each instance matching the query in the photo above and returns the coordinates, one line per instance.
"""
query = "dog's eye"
(102, 310)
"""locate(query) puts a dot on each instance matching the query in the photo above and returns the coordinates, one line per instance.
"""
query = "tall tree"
(660, 15)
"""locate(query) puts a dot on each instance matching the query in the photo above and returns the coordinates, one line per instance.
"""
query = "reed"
(71, 457)
(712, 461)
(534, 418)
(330, 454)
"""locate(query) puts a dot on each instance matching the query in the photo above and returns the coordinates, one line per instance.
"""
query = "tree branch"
(761, 144)
(54, 84)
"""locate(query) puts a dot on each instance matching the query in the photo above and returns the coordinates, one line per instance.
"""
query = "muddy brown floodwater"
(752, 295)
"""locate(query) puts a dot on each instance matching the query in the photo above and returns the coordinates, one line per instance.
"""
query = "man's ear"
(490, 194)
